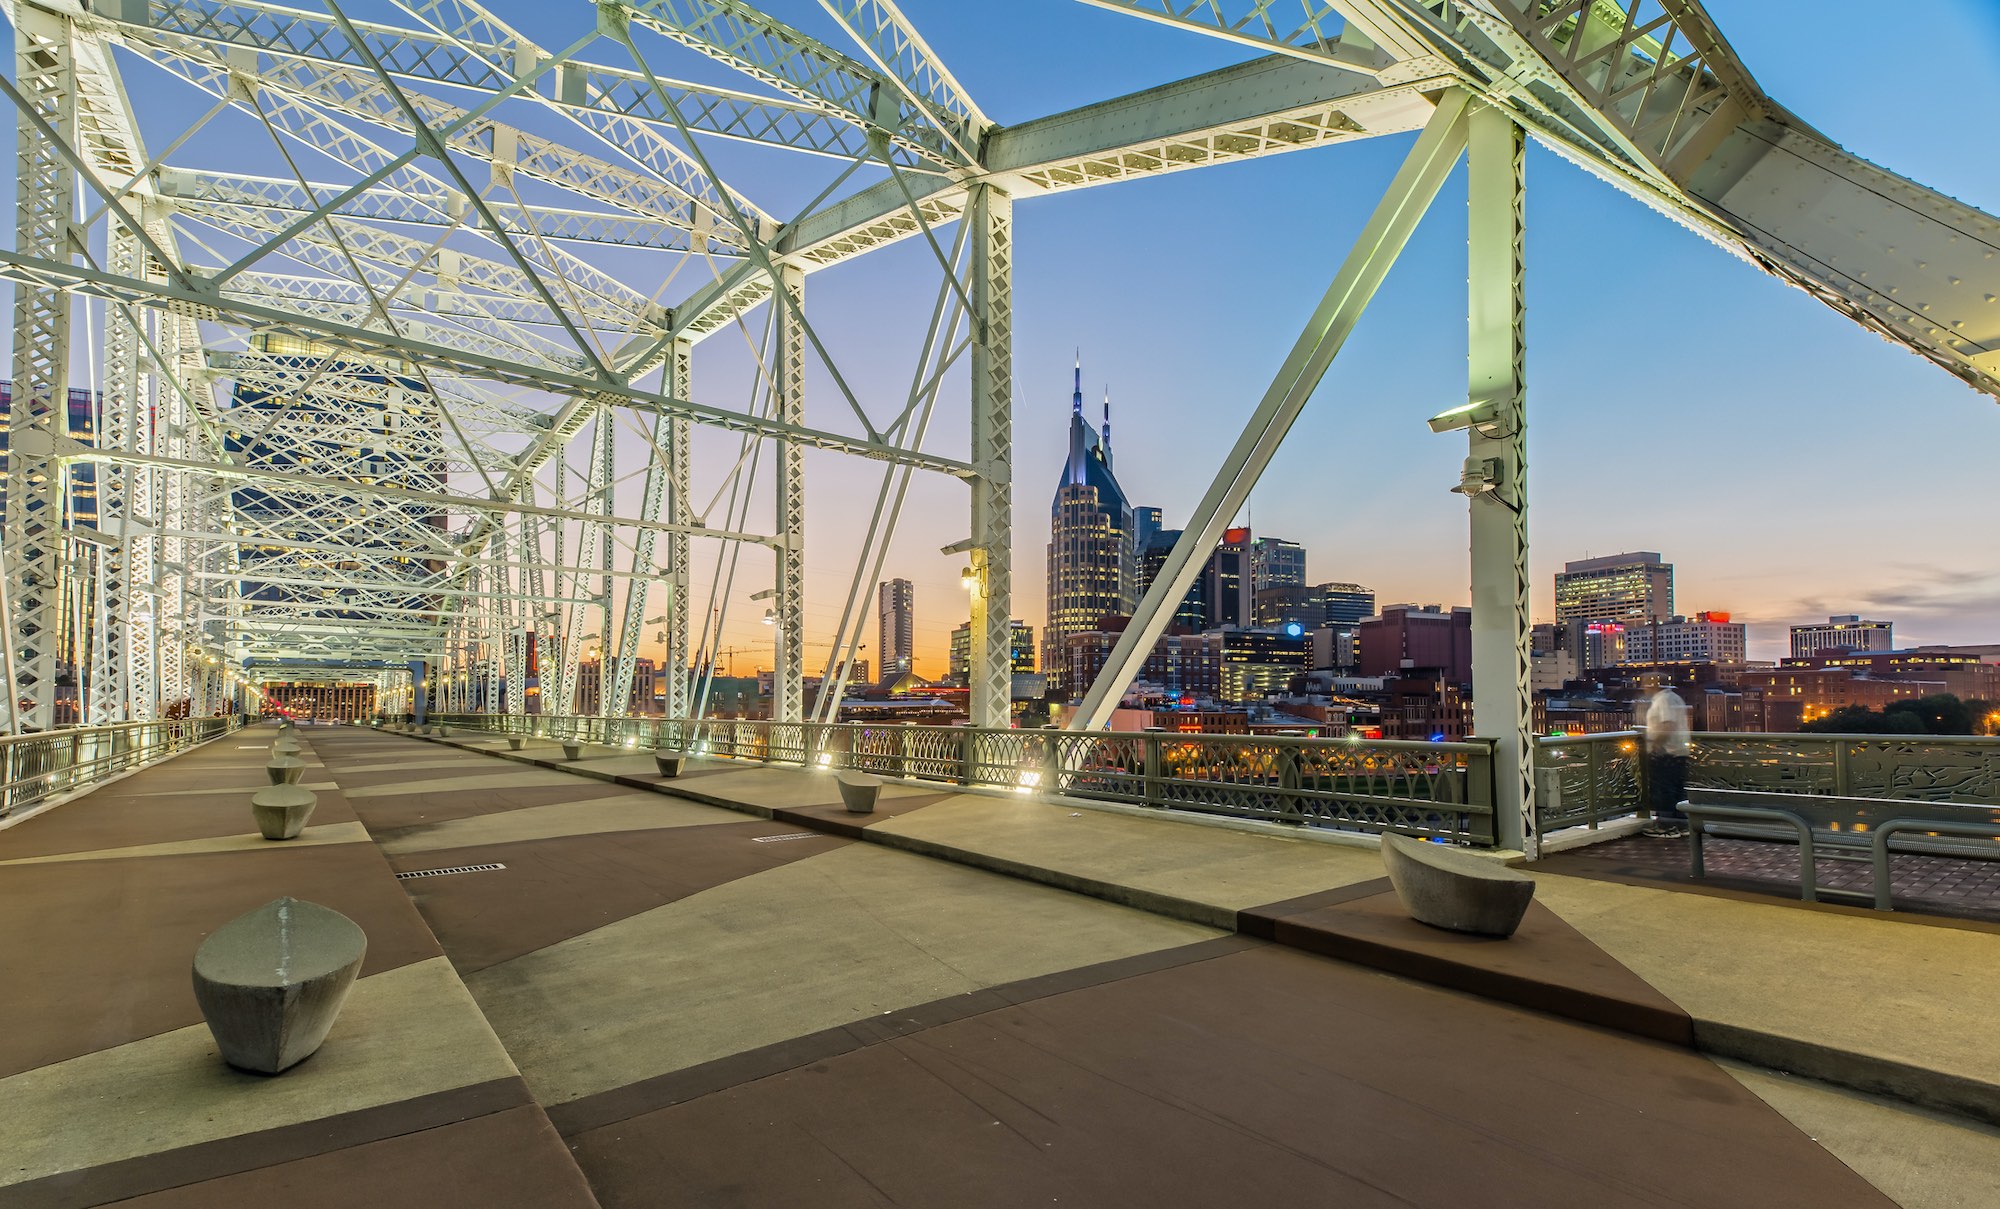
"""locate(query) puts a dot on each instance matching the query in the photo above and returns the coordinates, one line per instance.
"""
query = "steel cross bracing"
(363, 392)
(1648, 95)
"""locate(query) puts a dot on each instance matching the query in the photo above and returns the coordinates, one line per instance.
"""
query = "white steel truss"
(360, 409)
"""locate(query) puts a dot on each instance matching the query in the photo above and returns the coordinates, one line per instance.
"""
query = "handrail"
(43, 765)
(1879, 846)
(1698, 811)
(1585, 780)
(1437, 789)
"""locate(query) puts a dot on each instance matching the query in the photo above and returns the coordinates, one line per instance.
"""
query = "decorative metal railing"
(37, 767)
(1929, 768)
(1584, 780)
(1435, 789)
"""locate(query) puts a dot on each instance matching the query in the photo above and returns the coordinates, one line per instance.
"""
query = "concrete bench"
(1449, 889)
(669, 761)
(1841, 828)
(285, 770)
(572, 749)
(281, 810)
(271, 982)
(858, 791)
(516, 742)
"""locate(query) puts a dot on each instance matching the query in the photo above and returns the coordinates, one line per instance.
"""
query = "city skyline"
(1783, 377)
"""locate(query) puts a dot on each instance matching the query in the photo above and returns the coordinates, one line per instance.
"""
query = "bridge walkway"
(662, 1001)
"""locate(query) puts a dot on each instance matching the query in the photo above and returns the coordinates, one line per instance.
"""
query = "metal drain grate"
(796, 835)
(441, 872)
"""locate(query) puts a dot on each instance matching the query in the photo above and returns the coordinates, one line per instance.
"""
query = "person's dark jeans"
(1667, 785)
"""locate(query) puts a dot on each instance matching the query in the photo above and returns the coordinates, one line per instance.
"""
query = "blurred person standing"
(1666, 763)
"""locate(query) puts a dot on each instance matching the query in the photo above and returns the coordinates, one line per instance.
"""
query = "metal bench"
(1840, 828)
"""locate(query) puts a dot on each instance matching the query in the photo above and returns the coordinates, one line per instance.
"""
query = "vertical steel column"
(142, 548)
(180, 346)
(660, 470)
(788, 394)
(1497, 470)
(559, 663)
(604, 477)
(111, 695)
(680, 510)
(992, 239)
(45, 208)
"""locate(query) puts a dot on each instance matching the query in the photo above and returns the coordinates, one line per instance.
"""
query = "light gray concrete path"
(1843, 994)
(1865, 1001)
(1923, 1159)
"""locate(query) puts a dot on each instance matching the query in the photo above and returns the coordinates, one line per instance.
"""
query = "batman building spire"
(1093, 559)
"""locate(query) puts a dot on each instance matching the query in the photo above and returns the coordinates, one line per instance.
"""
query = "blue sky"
(1789, 463)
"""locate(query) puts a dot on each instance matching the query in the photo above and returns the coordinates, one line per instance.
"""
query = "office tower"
(1276, 563)
(1093, 558)
(1625, 588)
(895, 611)
(1021, 647)
(1147, 526)
(1406, 638)
(1312, 607)
(1710, 637)
(81, 416)
(1191, 614)
(1228, 583)
(1844, 633)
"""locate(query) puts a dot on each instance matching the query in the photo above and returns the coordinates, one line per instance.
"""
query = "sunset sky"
(1788, 463)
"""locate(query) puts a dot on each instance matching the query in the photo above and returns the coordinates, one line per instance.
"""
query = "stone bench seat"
(1448, 889)
(271, 982)
(858, 792)
(282, 810)
(669, 761)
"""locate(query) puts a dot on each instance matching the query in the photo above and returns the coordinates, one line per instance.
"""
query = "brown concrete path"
(1882, 1004)
(110, 1085)
(781, 1005)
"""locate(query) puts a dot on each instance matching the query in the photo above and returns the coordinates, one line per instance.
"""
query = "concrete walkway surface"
(724, 990)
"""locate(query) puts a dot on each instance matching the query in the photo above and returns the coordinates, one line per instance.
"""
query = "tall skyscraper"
(1021, 646)
(1093, 554)
(81, 413)
(1148, 523)
(1228, 582)
(1276, 563)
(1625, 588)
(1191, 614)
(895, 609)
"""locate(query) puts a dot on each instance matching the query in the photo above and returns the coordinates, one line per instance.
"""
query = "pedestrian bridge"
(587, 985)
(362, 351)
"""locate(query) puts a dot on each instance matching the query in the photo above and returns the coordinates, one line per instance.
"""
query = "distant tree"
(1942, 714)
